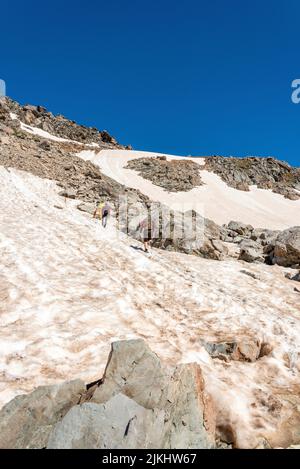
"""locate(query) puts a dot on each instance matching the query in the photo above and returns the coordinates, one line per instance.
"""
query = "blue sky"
(192, 77)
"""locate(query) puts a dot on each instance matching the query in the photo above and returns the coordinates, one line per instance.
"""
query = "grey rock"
(138, 403)
(251, 251)
(26, 421)
(240, 228)
(190, 418)
(248, 350)
(219, 246)
(185, 232)
(295, 277)
(287, 248)
(117, 424)
(134, 370)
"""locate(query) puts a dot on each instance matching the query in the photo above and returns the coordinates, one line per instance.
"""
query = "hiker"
(146, 230)
(102, 212)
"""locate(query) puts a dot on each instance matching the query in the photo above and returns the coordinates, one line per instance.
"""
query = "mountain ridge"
(227, 301)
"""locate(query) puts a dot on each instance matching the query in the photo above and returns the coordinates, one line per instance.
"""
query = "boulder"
(219, 246)
(295, 277)
(190, 233)
(186, 232)
(138, 403)
(27, 420)
(240, 228)
(117, 424)
(190, 418)
(248, 350)
(287, 248)
(251, 251)
(134, 370)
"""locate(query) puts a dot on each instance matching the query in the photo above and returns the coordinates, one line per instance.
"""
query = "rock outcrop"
(186, 232)
(265, 173)
(183, 232)
(173, 176)
(60, 126)
(261, 245)
(138, 403)
(77, 178)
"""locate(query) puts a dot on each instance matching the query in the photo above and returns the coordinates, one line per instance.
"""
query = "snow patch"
(68, 288)
(214, 200)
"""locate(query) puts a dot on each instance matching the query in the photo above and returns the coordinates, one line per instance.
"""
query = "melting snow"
(69, 287)
(214, 200)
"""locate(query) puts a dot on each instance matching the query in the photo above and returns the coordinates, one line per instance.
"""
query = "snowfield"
(215, 199)
(68, 288)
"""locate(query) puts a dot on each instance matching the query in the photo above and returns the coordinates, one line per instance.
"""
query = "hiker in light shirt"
(102, 212)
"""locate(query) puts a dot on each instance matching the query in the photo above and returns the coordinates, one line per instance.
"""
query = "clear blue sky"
(189, 77)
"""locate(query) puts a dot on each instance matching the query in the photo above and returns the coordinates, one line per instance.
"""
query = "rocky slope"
(174, 176)
(56, 160)
(271, 247)
(81, 179)
(68, 288)
(265, 173)
(39, 117)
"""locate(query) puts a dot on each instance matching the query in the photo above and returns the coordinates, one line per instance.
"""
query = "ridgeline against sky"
(194, 78)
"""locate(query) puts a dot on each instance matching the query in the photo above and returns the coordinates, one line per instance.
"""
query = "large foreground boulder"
(118, 423)
(27, 420)
(138, 403)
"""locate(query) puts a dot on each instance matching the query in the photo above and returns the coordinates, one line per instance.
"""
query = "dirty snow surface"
(214, 199)
(68, 288)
